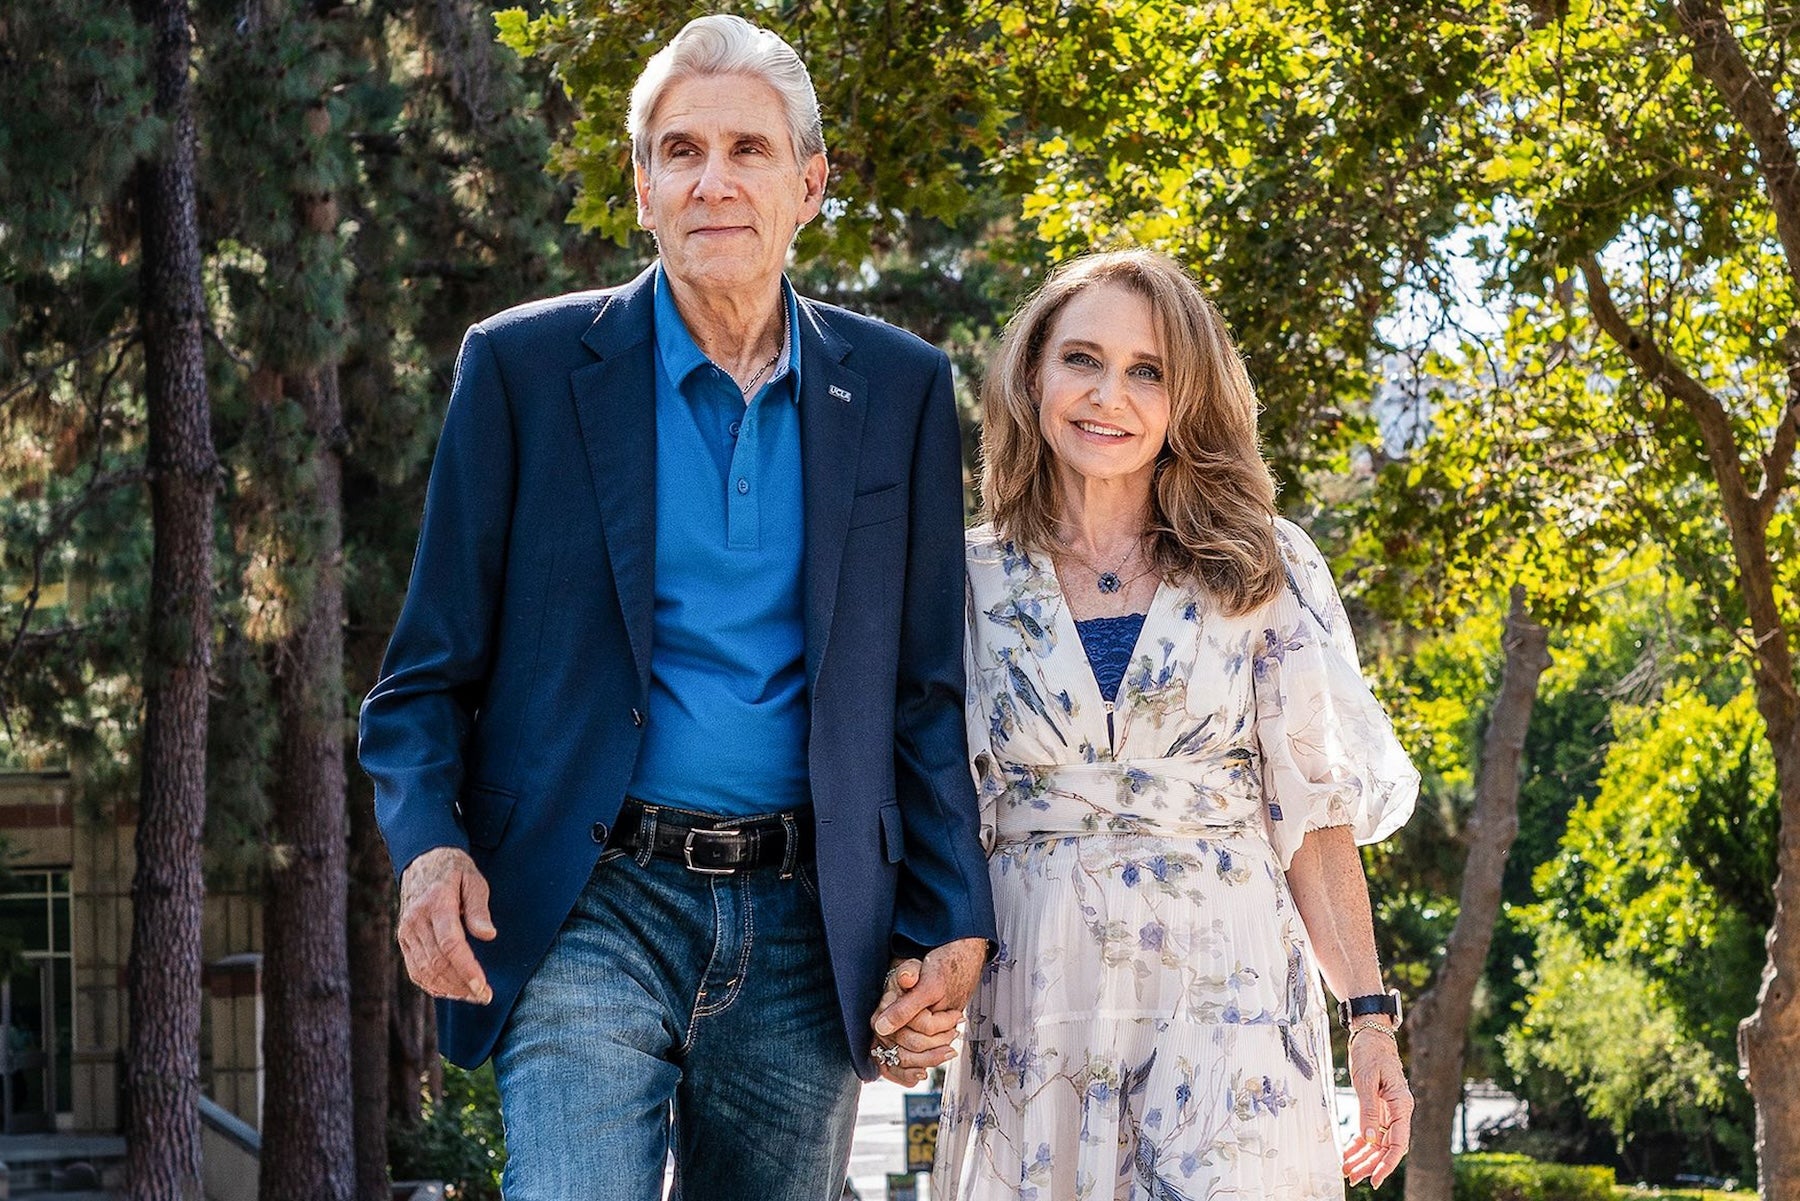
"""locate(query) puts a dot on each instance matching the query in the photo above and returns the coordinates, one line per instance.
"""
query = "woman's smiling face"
(1103, 398)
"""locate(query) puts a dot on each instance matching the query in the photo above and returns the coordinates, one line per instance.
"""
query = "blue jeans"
(685, 1011)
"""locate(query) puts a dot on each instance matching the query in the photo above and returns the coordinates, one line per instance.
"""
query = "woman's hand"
(924, 1042)
(1386, 1106)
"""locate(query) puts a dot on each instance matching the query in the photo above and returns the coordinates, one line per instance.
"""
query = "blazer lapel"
(615, 404)
(833, 403)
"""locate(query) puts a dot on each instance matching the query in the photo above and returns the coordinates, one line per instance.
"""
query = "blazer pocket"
(893, 832)
(486, 813)
(873, 508)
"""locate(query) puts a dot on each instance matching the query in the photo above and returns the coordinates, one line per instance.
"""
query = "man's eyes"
(688, 151)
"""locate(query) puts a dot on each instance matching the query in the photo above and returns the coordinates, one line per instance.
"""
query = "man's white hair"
(727, 45)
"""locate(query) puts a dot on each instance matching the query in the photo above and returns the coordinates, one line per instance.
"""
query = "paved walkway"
(880, 1145)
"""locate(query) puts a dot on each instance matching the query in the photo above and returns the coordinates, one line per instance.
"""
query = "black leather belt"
(714, 845)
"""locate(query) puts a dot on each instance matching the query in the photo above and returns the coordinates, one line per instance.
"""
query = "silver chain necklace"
(750, 385)
(1110, 582)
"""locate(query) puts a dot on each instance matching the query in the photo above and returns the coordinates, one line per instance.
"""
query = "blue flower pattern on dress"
(1153, 1026)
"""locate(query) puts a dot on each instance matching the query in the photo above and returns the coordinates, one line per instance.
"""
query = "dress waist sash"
(1167, 797)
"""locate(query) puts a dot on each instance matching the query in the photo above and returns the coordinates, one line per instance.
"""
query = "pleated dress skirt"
(1153, 1027)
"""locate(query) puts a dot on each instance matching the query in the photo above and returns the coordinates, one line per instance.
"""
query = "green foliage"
(1301, 157)
(65, 155)
(902, 87)
(1516, 1178)
(1499, 1177)
(1543, 447)
(1607, 1027)
(460, 1140)
(1642, 968)
(70, 422)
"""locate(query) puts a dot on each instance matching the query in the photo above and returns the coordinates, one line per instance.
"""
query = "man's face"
(724, 192)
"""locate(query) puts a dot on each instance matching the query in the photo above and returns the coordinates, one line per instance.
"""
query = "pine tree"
(162, 1059)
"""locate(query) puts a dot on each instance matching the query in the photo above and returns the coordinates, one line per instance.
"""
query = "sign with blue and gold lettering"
(921, 1129)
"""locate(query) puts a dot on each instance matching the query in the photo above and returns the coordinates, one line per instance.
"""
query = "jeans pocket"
(809, 880)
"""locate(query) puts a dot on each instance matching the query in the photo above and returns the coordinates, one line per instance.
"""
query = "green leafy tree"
(1639, 203)
(1632, 932)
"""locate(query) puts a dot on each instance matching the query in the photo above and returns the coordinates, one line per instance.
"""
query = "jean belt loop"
(790, 858)
(646, 838)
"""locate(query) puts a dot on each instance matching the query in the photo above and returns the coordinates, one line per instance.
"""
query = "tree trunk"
(308, 1146)
(1439, 1027)
(371, 970)
(1769, 1039)
(163, 1045)
(414, 1070)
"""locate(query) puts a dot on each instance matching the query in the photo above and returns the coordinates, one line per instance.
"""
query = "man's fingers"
(1385, 1166)
(475, 906)
(900, 977)
(462, 975)
(440, 892)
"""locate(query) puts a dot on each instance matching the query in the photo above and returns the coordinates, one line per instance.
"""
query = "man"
(671, 722)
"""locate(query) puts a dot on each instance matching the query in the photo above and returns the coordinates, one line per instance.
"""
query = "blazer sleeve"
(944, 893)
(416, 720)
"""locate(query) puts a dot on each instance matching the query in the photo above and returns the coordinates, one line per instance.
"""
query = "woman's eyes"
(1143, 371)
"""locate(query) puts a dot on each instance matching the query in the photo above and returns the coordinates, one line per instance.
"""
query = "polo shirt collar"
(681, 356)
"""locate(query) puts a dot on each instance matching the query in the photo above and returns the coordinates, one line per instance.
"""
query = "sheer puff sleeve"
(1329, 754)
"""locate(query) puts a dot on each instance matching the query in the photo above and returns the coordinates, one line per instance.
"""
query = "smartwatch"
(1382, 1002)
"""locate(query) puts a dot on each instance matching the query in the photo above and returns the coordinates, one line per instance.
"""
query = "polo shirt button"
(600, 832)
(637, 718)
(743, 487)
(735, 426)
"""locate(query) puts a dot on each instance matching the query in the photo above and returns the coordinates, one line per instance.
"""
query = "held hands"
(921, 1008)
(1385, 1107)
(441, 892)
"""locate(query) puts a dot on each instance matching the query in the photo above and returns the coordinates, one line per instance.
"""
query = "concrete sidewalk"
(880, 1145)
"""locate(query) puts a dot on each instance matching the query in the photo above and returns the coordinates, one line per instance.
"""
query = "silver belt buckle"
(687, 855)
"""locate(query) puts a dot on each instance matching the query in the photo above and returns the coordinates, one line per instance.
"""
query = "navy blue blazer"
(508, 716)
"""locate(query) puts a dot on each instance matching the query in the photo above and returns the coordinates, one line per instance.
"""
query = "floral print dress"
(1153, 1025)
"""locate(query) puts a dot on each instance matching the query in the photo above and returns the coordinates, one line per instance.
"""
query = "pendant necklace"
(1110, 582)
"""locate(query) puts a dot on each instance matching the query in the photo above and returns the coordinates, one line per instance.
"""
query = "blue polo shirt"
(727, 723)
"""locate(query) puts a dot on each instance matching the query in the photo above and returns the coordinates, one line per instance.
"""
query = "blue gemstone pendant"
(1109, 582)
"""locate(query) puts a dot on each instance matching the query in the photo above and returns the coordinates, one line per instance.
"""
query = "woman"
(1176, 754)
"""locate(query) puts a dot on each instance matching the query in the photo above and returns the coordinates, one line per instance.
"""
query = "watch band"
(1387, 1003)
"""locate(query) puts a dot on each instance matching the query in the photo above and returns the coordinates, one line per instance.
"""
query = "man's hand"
(441, 892)
(922, 1007)
(924, 1044)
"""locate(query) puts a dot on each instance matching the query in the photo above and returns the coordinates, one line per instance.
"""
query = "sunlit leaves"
(905, 92)
(1631, 928)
